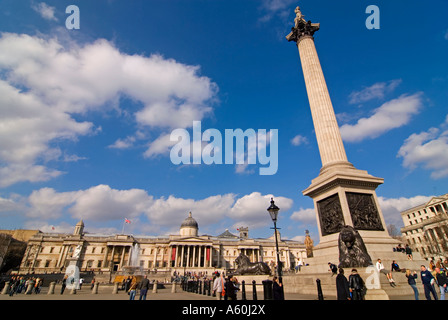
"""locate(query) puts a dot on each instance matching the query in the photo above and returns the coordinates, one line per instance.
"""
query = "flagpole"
(122, 230)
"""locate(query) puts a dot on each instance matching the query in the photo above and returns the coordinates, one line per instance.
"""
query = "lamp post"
(273, 212)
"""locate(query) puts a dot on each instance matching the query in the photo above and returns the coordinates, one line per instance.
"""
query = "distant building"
(186, 251)
(426, 227)
(12, 247)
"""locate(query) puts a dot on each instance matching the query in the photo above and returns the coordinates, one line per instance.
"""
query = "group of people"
(226, 288)
(432, 277)
(132, 285)
(20, 284)
(354, 288)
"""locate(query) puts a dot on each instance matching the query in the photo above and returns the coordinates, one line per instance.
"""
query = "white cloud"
(392, 114)
(251, 209)
(44, 83)
(375, 91)
(172, 210)
(105, 204)
(299, 140)
(429, 149)
(307, 216)
(45, 11)
(392, 207)
(281, 8)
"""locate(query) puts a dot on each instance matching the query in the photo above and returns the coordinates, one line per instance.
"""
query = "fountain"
(134, 267)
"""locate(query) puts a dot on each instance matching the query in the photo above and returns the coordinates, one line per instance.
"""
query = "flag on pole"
(127, 221)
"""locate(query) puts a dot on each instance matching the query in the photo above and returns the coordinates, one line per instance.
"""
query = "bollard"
(254, 290)
(6, 288)
(29, 289)
(115, 291)
(95, 288)
(209, 293)
(267, 289)
(51, 288)
(173, 288)
(320, 295)
(154, 286)
(204, 291)
(199, 287)
(243, 290)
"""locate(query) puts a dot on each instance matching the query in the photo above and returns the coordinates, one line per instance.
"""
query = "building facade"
(186, 251)
(426, 228)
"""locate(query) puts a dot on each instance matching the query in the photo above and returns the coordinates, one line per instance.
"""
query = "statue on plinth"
(352, 250)
(244, 266)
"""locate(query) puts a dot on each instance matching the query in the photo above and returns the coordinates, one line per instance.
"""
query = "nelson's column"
(342, 194)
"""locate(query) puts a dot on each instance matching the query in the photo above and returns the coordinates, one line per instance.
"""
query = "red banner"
(208, 254)
(173, 254)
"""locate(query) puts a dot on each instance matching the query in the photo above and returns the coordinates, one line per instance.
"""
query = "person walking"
(218, 285)
(132, 290)
(408, 252)
(277, 289)
(356, 285)
(64, 284)
(230, 288)
(442, 282)
(428, 281)
(342, 286)
(144, 287)
(412, 283)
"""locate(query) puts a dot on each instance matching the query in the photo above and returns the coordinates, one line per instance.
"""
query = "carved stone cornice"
(302, 30)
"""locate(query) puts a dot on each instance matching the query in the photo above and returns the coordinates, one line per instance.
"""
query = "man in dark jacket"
(144, 286)
(427, 281)
(230, 288)
(356, 285)
(442, 282)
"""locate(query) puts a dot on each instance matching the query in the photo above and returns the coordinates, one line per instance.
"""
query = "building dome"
(189, 222)
(189, 227)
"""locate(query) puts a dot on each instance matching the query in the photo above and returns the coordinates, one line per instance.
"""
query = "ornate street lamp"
(273, 212)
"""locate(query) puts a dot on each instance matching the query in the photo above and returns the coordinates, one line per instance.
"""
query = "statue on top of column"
(301, 27)
(299, 17)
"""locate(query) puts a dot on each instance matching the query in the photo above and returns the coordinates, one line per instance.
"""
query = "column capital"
(302, 28)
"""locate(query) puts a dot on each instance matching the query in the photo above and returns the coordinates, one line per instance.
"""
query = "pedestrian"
(64, 284)
(380, 268)
(333, 268)
(428, 281)
(128, 283)
(408, 252)
(277, 289)
(132, 290)
(92, 283)
(144, 287)
(342, 286)
(356, 285)
(412, 283)
(230, 289)
(218, 285)
(442, 282)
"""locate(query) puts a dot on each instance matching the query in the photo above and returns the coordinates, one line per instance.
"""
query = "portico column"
(188, 256)
(176, 255)
(199, 256)
(182, 256)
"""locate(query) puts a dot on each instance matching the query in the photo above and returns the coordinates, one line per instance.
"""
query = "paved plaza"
(105, 293)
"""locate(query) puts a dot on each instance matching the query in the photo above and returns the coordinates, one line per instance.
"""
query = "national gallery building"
(187, 251)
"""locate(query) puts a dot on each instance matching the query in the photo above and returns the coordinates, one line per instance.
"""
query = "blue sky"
(85, 113)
